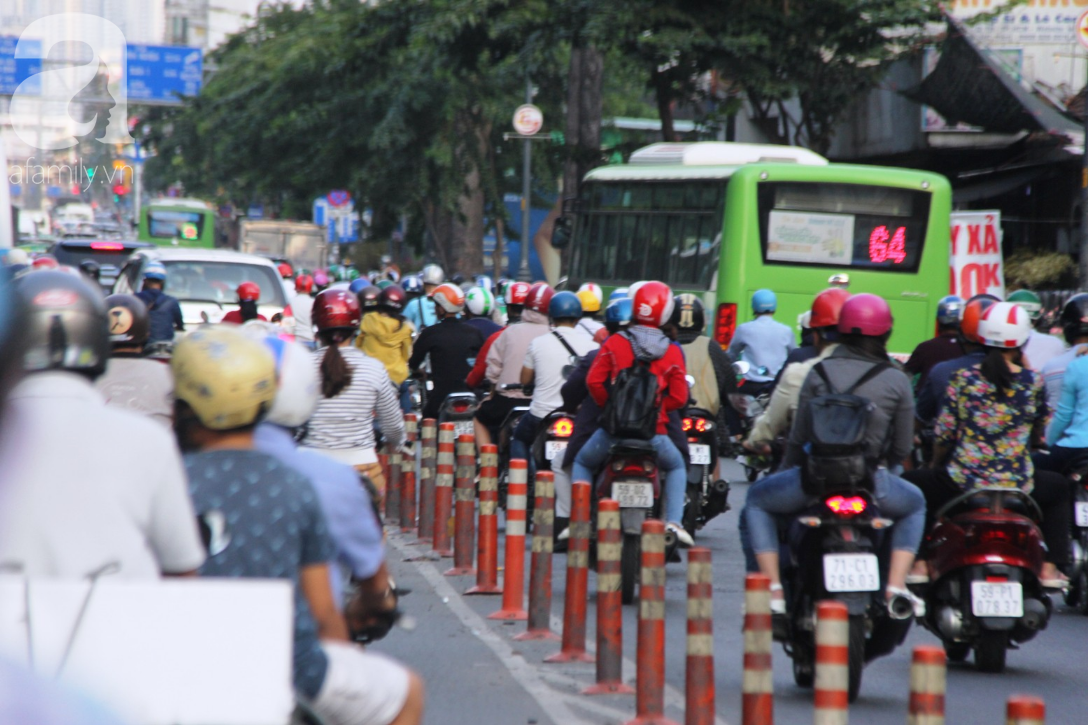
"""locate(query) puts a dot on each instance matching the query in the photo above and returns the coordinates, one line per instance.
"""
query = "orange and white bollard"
(699, 671)
(408, 478)
(540, 569)
(464, 493)
(573, 647)
(650, 661)
(1025, 710)
(393, 486)
(443, 490)
(383, 462)
(487, 550)
(927, 686)
(428, 451)
(513, 579)
(609, 603)
(832, 663)
(757, 686)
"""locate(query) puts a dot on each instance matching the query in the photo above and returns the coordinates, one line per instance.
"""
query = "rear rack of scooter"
(994, 500)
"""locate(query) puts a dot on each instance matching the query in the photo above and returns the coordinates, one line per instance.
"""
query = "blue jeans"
(405, 397)
(522, 440)
(669, 461)
(781, 494)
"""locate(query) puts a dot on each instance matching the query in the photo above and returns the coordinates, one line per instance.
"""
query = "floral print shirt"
(990, 431)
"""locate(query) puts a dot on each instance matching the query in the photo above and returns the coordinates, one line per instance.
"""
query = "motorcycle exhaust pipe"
(719, 488)
(900, 607)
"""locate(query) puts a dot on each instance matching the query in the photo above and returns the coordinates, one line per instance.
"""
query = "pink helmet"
(865, 314)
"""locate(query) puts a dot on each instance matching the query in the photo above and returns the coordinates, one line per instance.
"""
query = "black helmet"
(1074, 318)
(66, 323)
(368, 298)
(130, 325)
(90, 268)
(688, 314)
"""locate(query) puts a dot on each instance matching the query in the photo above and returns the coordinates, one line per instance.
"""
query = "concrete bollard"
(1025, 710)
(443, 490)
(573, 648)
(464, 493)
(832, 663)
(513, 579)
(428, 455)
(393, 486)
(699, 671)
(540, 569)
(408, 478)
(757, 686)
(487, 550)
(927, 686)
(609, 603)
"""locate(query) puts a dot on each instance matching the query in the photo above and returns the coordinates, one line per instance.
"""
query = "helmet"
(336, 272)
(764, 300)
(155, 270)
(358, 284)
(16, 256)
(500, 287)
(590, 302)
(249, 292)
(539, 297)
(46, 261)
(458, 279)
(972, 313)
(827, 306)
(1074, 317)
(66, 325)
(1004, 324)
(321, 279)
(412, 285)
(865, 314)
(1029, 301)
(688, 313)
(129, 323)
(484, 281)
(949, 310)
(393, 298)
(619, 311)
(841, 280)
(384, 283)
(298, 387)
(336, 309)
(90, 268)
(228, 379)
(652, 304)
(449, 297)
(480, 302)
(351, 274)
(618, 294)
(304, 283)
(516, 293)
(368, 298)
(432, 274)
(804, 320)
(285, 270)
(594, 289)
(564, 306)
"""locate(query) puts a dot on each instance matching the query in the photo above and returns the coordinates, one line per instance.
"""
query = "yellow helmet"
(228, 379)
(590, 304)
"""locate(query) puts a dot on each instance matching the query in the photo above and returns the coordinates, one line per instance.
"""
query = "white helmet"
(299, 385)
(432, 274)
(594, 289)
(804, 320)
(1005, 325)
(449, 297)
(480, 302)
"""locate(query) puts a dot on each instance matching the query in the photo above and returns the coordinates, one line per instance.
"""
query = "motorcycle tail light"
(686, 424)
(633, 468)
(460, 406)
(562, 428)
(702, 425)
(993, 579)
(725, 323)
(847, 505)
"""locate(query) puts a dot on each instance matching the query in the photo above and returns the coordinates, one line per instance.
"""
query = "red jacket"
(235, 316)
(617, 354)
(478, 373)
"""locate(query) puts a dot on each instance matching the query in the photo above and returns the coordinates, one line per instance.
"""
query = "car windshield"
(218, 281)
(103, 253)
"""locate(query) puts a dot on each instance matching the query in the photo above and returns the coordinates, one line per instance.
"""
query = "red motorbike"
(985, 556)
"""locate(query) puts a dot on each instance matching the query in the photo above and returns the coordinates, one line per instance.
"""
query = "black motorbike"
(1076, 595)
(459, 409)
(550, 444)
(705, 498)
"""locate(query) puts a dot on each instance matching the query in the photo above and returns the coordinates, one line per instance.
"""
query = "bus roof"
(182, 203)
(723, 153)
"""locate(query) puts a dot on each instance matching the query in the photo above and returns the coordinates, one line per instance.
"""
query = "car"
(109, 254)
(205, 281)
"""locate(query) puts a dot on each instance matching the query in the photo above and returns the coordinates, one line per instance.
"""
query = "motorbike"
(749, 402)
(1076, 595)
(985, 557)
(551, 440)
(459, 409)
(705, 498)
(504, 435)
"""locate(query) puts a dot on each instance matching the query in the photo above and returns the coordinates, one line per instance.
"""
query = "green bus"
(178, 223)
(725, 219)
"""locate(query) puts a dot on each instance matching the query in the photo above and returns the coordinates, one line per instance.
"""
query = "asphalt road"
(477, 673)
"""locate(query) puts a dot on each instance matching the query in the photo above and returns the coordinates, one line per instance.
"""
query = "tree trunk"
(583, 123)
(663, 93)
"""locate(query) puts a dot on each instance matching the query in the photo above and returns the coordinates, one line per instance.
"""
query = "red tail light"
(847, 506)
(725, 323)
(460, 406)
(701, 425)
(287, 312)
(562, 428)
(107, 246)
(687, 424)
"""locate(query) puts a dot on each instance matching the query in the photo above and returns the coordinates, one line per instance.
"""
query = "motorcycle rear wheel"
(804, 667)
(990, 652)
(856, 655)
(956, 651)
(630, 566)
(693, 508)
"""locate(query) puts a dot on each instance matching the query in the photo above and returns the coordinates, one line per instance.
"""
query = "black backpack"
(632, 407)
(838, 422)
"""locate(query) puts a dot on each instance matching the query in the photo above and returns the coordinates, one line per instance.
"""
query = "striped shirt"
(346, 421)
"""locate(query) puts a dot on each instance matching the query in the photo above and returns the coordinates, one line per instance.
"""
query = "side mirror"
(562, 232)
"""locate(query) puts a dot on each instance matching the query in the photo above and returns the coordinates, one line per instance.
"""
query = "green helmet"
(1030, 301)
(383, 283)
(352, 274)
(336, 272)
(480, 302)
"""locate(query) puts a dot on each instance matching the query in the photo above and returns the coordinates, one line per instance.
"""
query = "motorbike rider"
(70, 511)
(506, 357)
(931, 395)
(1074, 321)
(131, 380)
(1040, 348)
(248, 294)
(321, 281)
(945, 346)
(421, 311)
(515, 295)
(412, 286)
(368, 299)
(590, 296)
(91, 270)
(354, 388)
(996, 413)
(226, 385)
(644, 342)
(865, 323)
(387, 337)
(450, 344)
(479, 307)
(164, 310)
(764, 342)
(302, 305)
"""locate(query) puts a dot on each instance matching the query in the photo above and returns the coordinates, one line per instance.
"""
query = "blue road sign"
(159, 73)
(14, 71)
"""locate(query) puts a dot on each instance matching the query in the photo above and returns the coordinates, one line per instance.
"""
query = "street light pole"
(526, 190)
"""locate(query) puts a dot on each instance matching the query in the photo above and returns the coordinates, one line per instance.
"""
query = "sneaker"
(682, 535)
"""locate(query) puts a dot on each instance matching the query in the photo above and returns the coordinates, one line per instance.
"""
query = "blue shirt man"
(164, 311)
(931, 398)
(1053, 373)
(420, 312)
(764, 343)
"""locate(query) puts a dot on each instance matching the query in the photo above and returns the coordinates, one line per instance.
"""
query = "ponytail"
(335, 371)
(995, 368)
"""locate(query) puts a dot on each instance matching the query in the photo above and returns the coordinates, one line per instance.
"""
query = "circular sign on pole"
(528, 119)
(1082, 29)
(338, 198)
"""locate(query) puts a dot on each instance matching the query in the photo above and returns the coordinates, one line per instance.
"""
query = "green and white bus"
(178, 223)
(726, 219)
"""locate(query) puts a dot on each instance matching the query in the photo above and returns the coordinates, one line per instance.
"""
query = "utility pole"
(526, 190)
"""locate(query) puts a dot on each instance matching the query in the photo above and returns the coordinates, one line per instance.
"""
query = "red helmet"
(652, 303)
(285, 270)
(972, 314)
(336, 309)
(865, 314)
(516, 293)
(539, 297)
(393, 298)
(46, 261)
(827, 306)
(249, 292)
(304, 283)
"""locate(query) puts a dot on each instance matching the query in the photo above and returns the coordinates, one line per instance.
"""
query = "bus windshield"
(176, 224)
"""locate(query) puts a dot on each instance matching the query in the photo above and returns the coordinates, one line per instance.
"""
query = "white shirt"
(588, 325)
(547, 357)
(302, 307)
(140, 385)
(1041, 349)
(86, 485)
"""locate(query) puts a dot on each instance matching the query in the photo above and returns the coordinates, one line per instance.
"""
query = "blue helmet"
(950, 310)
(565, 306)
(764, 300)
(619, 311)
(358, 284)
(155, 270)
(619, 293)
(484, 281)
(412, 285)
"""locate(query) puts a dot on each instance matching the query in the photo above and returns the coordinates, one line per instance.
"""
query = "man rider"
(589, 295)
(164, 310)
(479, 306)
(302, 305)
(764, 343)
(1040, 348)
(248, 294)
(131, 380)
(945, 346)
(451, 344)
(421, 311)
(1074, 321)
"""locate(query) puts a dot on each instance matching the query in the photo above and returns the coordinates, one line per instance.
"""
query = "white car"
(205, 282)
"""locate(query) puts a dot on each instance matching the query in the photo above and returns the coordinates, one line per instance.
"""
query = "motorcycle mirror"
(691, 381)
(742, 367)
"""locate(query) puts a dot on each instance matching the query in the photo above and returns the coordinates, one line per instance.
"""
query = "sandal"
(778, 604)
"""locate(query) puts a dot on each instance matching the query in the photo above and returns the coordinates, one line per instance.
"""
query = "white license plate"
(699, 453)
(851, 573)
(1081, 511)
(997, 599)
(464, 428)
(552, 449)
(633, 495)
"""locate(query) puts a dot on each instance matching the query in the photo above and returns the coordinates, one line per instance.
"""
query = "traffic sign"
(1082, 29)
(339, 197)
(528, 119)
(14, 71)
(160, 73)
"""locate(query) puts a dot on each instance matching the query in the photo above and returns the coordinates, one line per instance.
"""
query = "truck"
(302, 244)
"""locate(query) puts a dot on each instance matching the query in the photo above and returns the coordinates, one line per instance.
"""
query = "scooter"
(459, 409)
(1076, 595)
(551, 440)
(705, 498)
(504, 436)
(750, 401)
(985, 557)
